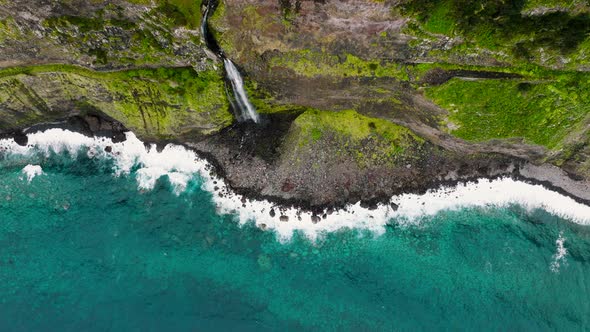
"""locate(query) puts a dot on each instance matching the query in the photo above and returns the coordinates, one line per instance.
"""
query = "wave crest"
(181, 165)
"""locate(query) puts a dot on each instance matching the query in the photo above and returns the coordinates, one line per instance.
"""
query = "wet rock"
(370, 204)
(315, 219)
(108, 149)
(21, 139)
(93, 123)
(394, 206)
(284, 218)
(272, 213)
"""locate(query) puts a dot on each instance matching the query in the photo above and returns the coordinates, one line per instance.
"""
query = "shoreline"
(550, 177)
(181, 166)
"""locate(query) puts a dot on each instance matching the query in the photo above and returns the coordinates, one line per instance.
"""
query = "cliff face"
(101, 34)
(142, 63)
(361, 99)
(471, 76)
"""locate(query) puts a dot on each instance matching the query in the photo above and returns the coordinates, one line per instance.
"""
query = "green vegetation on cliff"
(368, 140)
(182, 12)
(110, 37)
(310, 64)
(542, 32)
(101, 33)
(8, 29)
(155, 103)
(542, 112)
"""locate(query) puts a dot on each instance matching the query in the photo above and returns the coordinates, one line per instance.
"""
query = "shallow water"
(83, 249)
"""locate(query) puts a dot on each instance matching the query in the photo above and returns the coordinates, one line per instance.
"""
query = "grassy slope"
(114, 37)
(310, 64)
(368, 140)
(556, 31)
(542, 112)
(546, 105)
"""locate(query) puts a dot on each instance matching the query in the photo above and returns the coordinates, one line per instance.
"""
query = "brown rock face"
(97, 34)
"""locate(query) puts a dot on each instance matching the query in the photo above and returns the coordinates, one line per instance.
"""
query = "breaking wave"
(180, 166)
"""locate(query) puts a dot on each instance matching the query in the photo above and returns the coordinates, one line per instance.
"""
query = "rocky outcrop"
(101, 34)
(332, 167)
(142, 63)
(164, 104)
(384, 59)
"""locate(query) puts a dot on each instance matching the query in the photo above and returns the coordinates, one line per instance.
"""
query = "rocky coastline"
(220, 152)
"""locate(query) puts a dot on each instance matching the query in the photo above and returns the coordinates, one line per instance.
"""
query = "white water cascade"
(241, 103)
(246, 109)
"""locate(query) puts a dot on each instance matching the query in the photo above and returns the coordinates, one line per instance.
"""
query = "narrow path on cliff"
(243, 108)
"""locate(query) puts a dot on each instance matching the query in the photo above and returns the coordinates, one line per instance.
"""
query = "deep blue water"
(83, 250)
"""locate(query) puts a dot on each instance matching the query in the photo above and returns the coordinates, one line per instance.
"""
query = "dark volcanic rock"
(89, 125)
(260, 163)
(21, 139)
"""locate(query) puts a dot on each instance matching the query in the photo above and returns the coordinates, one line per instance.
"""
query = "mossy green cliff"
(142, 63)
(163, 103)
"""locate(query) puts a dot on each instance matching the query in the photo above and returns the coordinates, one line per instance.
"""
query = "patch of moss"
(218, 14)
(162, 103)
(440, 20)
(264, 103)
(289, 10)
(541, 112)
(182, 12)
(8, 29)
(360, 136)
(310, 64)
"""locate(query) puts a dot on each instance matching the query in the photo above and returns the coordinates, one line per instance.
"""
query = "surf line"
(180, 166)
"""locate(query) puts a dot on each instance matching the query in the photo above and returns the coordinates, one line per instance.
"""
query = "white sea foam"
(32, 171)
(181, 165)
(560, 254)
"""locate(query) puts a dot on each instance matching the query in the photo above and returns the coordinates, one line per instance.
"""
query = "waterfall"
(241, 105)
(233, 75)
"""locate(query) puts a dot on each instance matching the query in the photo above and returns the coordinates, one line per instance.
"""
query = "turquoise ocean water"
(84, 250)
